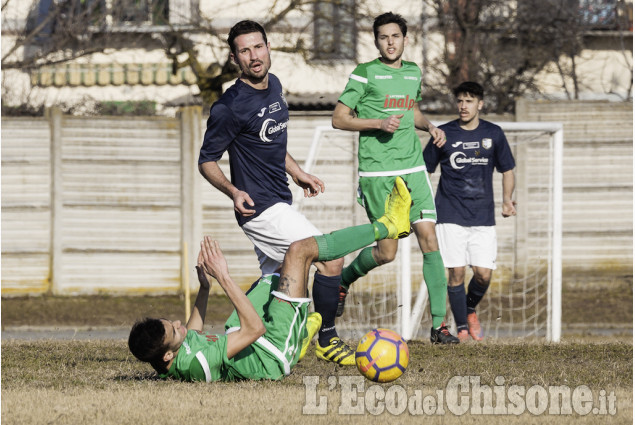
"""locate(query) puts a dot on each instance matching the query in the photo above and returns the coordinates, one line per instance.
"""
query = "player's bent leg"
(294, 277)
(295, 267)
(385, 251)
(369, 258)
(326, 288)
(396, 218)
(330, 268)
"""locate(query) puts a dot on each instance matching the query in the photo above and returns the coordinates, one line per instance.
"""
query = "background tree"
(505, 46)
(62, 31)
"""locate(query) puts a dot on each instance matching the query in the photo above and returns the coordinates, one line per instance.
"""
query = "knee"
(300, 250)
(456, 276)
(331, 268)
(384, 257)
(482, 279)
(430, 243)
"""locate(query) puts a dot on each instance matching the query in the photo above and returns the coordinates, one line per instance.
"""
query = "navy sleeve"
(431, 156)
(504, 157)
(222, 129)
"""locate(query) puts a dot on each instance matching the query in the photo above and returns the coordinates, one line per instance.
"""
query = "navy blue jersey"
(251, 125)
(465, 194)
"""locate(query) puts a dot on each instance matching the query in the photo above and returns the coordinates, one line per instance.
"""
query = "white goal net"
(524, 296)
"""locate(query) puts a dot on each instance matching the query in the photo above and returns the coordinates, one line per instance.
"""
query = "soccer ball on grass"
(382, 355)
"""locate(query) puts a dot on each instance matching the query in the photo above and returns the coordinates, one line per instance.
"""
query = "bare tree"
(69, 29)
(61, 31)
(490, 41)
(211, 77)
(505, 45)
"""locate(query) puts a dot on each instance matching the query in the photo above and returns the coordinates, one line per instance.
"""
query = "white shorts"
(274, 230)
(467, 246)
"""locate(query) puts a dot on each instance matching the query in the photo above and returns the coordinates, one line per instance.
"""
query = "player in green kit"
(268, 331)
(381, 101)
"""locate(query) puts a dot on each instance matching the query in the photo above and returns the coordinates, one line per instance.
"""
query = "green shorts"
(372, 193)
(285, 321)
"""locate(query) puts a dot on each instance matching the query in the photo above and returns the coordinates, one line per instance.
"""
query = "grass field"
(73, 382)
(99, 382)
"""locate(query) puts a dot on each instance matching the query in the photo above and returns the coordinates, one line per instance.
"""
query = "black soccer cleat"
(442, 336)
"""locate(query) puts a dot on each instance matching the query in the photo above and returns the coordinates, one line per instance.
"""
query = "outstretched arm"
(197, 318)
(509, 205)
(312, 185)
(213, 174)
(251, 326)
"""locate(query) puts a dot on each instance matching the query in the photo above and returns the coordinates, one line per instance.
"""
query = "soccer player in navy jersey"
(465, 202)
(249, 121)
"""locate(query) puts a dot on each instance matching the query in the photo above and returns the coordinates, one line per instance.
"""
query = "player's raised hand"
(391, 124)
(312, 185)
(213, 260)
(240, 199)
(200, 270)
(509, 208)
(438, 136)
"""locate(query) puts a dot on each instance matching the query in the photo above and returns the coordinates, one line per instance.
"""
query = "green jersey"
(203, 357)
(378, 91)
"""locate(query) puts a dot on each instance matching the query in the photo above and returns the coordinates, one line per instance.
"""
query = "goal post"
(525, 295)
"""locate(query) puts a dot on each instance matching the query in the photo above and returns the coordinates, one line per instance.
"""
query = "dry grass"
(98, 382)
(72, 382)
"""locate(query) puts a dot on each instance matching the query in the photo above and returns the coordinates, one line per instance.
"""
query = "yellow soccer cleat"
(396, 217)
(337, 352)
(313, 324)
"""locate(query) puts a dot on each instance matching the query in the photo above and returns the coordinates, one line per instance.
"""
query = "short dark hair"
(390, 18)
(244, 27)
(146, 342)
(469, 87)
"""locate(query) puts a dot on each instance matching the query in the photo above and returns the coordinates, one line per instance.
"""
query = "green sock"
(361, 265)
(434, 275)
(341, 242)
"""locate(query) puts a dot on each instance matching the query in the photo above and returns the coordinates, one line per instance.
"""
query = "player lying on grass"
(268, 331)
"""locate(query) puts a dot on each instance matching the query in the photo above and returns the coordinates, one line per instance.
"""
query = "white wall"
(110, 204)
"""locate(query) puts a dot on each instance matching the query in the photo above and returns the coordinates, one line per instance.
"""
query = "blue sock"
(326, 292)
(457, 297)
(475, 293)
